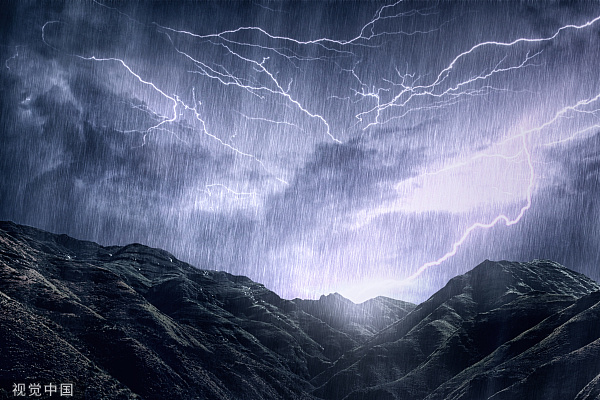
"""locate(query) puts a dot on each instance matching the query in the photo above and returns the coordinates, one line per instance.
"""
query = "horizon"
(356, 300)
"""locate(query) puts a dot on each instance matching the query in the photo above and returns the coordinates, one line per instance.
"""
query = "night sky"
(355, 147)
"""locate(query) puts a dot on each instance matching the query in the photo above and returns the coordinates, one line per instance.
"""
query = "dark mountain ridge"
(134, 322)
(457, 327)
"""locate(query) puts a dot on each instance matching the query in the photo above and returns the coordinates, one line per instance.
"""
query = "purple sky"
(359, 147)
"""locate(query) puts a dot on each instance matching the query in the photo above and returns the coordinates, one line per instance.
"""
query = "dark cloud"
(72, 162)
(337, 178)
(283, 160)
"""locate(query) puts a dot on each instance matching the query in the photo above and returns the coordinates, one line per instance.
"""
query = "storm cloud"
(314, 147)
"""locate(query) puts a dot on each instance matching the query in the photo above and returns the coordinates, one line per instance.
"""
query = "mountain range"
(133, 322)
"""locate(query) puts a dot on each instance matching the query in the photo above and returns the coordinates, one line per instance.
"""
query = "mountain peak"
(495, 282)
(334, 298)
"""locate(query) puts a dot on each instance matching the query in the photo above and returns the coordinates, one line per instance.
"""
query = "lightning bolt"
(441, 77)
(220, 185)
(174, 99)
(227, 39)
(381, 103)
(14, 56)
(503, 218)
(481, 225)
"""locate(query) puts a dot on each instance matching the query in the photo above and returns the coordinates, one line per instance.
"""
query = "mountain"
(487, 334)
(133, 322)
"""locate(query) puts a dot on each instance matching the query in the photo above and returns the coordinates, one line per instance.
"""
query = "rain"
(364, 148)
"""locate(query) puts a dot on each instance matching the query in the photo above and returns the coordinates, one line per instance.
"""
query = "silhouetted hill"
(443, 341)
(134, 322)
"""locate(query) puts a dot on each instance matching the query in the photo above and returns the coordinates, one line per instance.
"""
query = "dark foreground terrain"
(133, 322)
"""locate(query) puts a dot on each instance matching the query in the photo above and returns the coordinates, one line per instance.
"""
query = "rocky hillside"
(133, 322)
(488, 334)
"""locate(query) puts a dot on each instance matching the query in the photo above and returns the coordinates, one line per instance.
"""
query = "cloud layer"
(313, 147)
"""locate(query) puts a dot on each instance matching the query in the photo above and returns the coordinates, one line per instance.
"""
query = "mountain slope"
(132, 322)
(464, 322)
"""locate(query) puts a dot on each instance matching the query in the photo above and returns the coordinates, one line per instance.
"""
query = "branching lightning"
(174, 99)
(269, 67)
(503, 218)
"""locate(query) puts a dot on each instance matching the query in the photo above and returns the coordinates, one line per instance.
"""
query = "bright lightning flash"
(262, 64)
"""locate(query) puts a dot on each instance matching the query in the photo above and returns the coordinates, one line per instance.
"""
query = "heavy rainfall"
(365, 148)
